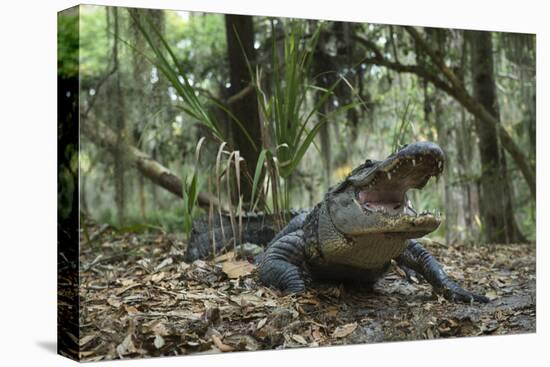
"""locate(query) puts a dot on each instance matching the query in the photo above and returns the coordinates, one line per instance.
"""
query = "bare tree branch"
(369, 45)
(449, 74)
(103, 136)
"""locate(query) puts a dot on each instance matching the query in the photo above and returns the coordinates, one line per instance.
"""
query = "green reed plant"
(288, 123)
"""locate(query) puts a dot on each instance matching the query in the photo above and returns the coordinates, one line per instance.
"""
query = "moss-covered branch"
(103, 136)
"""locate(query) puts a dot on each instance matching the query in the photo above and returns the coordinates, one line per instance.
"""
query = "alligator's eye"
(368, 162)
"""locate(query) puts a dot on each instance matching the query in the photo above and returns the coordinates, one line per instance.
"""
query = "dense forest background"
(259, 113)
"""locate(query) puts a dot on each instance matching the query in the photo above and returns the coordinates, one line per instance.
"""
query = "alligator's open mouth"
(385, 188)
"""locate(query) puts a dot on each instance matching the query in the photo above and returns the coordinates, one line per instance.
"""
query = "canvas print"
(232, 183)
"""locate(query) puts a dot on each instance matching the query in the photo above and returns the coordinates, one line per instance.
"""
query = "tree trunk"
(495, 200)
(117, 110)
(322, 65)
(325, 69)
(434, 105)
(464, 156)
(240, 38)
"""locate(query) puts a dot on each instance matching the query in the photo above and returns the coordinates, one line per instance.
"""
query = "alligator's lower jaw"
(406, 226)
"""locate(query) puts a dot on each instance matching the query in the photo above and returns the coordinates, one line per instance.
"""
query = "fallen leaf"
(345, 330)
(127, 346)
(159, 341)
(92, 359)
(247, 299)
(310, 301)
(123, 290)
(242, 342)
(300, 339)
(331, 311)
(164, 263)
(113, 301)
(220, 345)
(211, 315)
(237, 268)
(224, 257)
(159, 329)
(316, 334)
(261, 323)
(403, 323)
(200, 264)
(131, 310)
(126, 281)
(398, 270)
(145, 262)
(158, 277)
(86, 339)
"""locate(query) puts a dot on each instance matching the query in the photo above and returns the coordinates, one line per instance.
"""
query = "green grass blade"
(303, 148)
(257, 172)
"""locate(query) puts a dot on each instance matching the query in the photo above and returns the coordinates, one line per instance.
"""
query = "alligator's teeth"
(414, 162)
(389, 176)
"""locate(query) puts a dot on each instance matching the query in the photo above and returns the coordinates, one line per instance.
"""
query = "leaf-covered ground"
(140, 299)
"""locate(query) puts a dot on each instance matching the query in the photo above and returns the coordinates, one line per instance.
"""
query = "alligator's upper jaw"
(384, 188)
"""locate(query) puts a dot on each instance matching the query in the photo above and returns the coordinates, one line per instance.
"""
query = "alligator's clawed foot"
(463, 296)
(411, 275)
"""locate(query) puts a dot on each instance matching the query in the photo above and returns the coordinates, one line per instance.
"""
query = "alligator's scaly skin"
(256, 228)
(363, 224)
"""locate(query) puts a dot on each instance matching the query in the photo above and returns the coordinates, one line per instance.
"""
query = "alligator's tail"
(257, 228)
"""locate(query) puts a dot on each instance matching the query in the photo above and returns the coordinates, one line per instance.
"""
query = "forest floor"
(140, 299)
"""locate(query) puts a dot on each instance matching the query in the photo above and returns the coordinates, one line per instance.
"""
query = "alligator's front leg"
(417, 258)
(280, 266)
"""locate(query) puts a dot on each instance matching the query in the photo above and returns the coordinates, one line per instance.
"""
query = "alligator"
(361, 226)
